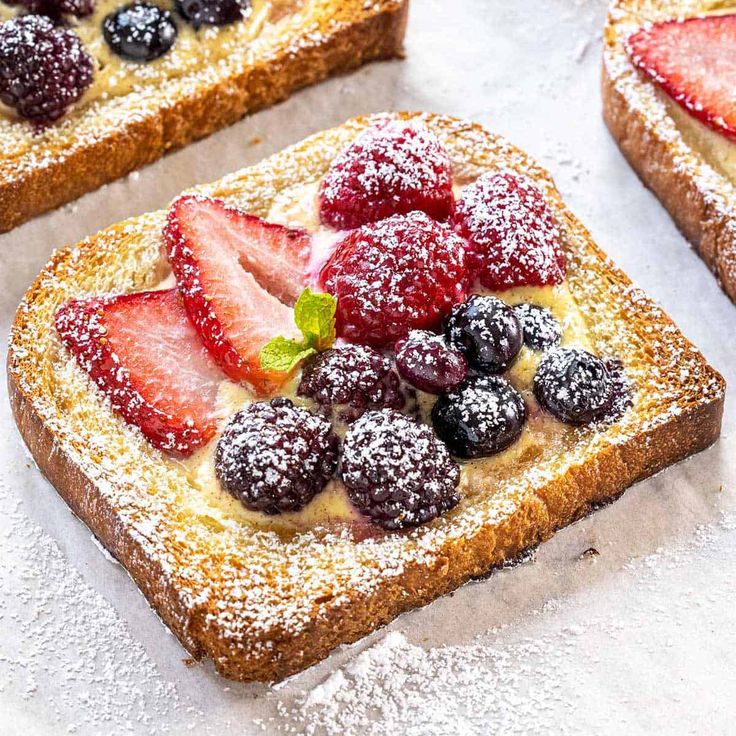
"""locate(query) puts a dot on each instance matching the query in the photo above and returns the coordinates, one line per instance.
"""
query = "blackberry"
(354, 378)
(574, 385)
(426, 361)
(396, 471)
(140, 31)
(43, 69)
(275, 457)
(541, 329)
(482, 417)
(56, 8)
(212, 12)
(487, 331)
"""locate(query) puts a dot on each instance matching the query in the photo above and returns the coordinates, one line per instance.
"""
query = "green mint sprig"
(314, 314)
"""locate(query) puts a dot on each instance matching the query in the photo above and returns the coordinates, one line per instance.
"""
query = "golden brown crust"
(657, 158)
(677, 411)
(362, 35)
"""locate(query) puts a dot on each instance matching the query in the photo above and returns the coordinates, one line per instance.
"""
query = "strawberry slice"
(226, 263)
(145, 356)
(694, 61)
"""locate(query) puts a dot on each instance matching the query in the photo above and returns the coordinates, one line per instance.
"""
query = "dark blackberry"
(426, 361)
(487, 331)
(352, 378)
(43, 69)
(275, 457)
(482, 417)
(541, 329)
(140, 31)
(573, 385)
(212, 12)
(396, 471)
(56, 8)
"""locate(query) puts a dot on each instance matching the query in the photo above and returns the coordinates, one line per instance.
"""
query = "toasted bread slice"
(105, 137)
(691, 168)
(264, 604)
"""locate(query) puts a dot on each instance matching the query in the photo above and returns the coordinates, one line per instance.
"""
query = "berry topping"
(145, 356)
(140, 31)
(355, 377)
(276, 457)
(426, 361)
(482, 417)
(391, 169)
(211, 12)
(224, 261)
(512, 236)
(693, 60)
(541, 329)
(56, 8)
(393, 276)
(396, 471)
(43, 69)
(486, 331)
(574, 385)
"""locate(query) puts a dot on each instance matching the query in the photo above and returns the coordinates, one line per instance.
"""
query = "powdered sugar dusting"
(290, 585)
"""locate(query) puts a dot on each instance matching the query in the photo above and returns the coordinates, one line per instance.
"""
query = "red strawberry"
(145, 356)
(210, 246)
(393, 276)
(512, 236)
(390, 169)
(694, 61)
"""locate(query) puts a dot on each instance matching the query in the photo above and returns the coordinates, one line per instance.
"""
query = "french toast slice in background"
(690, 167)
(103, 139)
(262, 604)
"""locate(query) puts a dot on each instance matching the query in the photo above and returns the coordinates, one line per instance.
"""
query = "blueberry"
(486, 331)
(426, 361)
(573, 385)
(140, 31)
(541, 330)
(211, 12)
(482, 417)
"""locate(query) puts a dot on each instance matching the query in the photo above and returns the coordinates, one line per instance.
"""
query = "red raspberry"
(391, 169)
(389, 277)
(513, 238)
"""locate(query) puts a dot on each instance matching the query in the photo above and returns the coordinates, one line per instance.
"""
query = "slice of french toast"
(688, 164)
(266, 596)
(134, 111)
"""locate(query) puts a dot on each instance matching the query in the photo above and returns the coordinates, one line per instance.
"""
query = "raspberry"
(43, 69)
(57, 8)
(513, 238)
(396, 471)
(390, 169)
(275, 457)
(393, 276)
(353, 375)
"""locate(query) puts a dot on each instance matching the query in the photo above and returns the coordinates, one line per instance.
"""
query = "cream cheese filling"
(193, 50)
(330, 509)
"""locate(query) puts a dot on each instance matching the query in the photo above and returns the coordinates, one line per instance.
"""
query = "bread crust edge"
(143, 140)
(698, 217)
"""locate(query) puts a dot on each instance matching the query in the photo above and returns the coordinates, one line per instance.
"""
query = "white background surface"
(639, 639)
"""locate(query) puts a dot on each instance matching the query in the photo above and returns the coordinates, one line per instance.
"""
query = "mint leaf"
(282, 354)
(314, 314)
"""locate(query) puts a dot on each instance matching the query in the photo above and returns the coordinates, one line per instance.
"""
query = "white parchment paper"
(638, 637)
